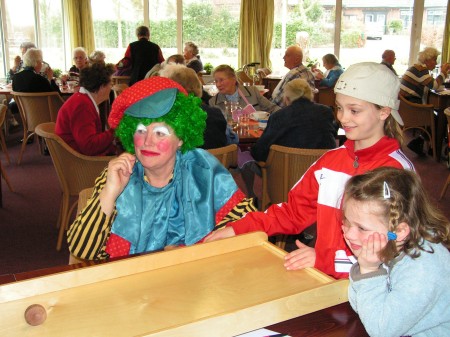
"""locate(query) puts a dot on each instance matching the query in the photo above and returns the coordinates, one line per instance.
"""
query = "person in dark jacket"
(216, 125)
(300, 124)
(29, 80)
(142, 55)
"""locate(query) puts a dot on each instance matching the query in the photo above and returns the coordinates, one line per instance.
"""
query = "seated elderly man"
(300, 124)
(416, 80)
(293, 58)
(388, 59)
(78, 121)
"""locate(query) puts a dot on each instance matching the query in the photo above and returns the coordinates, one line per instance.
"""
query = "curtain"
(255, 33)
(81, 27)
(445, 47)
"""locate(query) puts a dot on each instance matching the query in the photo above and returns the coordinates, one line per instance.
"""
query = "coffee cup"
(257, 115)
(262, 123)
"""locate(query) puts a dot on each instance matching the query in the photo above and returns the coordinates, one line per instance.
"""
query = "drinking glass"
(231, 109)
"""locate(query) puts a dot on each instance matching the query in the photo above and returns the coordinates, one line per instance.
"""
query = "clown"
(163, 191)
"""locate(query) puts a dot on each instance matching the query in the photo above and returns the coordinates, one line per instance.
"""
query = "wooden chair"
(36, 108)
(118, 88)
(242, 77)
(120, 79)
(3, 109)
(262, 73)
(227, 155)
(326, 96)
(444, 188)
(75, 171)
(283, 168)
(419, 116)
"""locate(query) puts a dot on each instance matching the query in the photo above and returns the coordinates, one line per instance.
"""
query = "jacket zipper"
(355, 162)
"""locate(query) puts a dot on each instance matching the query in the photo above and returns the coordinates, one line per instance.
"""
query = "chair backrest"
(120, 79)
(3, 110)
(283, 168)
(262, 73)
(75, 171)
(242, 77)
(38, 107)
(118, 88)
(227, 155)
(418, 116)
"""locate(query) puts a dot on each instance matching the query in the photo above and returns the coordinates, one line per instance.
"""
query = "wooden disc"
(35, 314)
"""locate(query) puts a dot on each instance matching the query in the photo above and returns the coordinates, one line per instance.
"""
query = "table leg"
(441, 128)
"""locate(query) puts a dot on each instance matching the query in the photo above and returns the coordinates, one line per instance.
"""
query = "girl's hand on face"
(368, 259)
(303, 257)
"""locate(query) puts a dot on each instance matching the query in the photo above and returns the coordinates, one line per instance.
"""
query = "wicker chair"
(75, 172)
(118, 88)
(3, 109)
(227, 155)
(120, 79)
(444, 188)
(36, 108)
(419, 116)
(283, 168)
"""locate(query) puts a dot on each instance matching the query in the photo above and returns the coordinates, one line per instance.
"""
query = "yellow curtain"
(81, 27)
(446, 44)
(255, 33)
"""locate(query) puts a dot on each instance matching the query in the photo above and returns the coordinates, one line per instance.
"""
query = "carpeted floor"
(27, 220)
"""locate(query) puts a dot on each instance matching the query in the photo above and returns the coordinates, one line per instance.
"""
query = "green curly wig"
(186, 118)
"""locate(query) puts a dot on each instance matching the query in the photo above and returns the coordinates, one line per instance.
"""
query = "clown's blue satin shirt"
(180, 213)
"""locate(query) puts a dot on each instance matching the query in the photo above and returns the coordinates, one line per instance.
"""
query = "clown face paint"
(156, 146)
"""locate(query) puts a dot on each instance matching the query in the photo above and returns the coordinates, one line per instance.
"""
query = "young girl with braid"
(400, 284)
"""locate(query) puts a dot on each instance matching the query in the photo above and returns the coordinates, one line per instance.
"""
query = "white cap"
(371, 82)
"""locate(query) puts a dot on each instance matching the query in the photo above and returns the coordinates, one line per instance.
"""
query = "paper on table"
(261, 333)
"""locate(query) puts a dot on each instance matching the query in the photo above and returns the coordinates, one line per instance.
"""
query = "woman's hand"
(303, 257)
(368, 257)
(49, 73)
(119, 172)
(220, 234)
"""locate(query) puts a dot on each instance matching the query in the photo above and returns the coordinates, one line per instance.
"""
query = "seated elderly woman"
(81, 61)
(162, 192)
(230, 90)
(332, 73)
(192, 57)
(300, 124)
(29, 80)
(78, 122)
(216, 125)
(97, 56)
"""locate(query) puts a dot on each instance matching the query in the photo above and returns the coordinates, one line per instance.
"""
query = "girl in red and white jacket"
(367, 103)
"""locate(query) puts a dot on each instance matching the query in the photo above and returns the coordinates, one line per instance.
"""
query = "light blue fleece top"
(410, 297)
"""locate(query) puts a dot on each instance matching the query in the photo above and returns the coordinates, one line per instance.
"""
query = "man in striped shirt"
(418, 77)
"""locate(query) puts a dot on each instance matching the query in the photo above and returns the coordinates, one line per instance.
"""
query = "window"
(115, 25)
(51, 33)
(214, 27)
(163, 25)
(298, 23)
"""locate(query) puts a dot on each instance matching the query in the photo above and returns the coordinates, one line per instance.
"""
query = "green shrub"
(396, 25)
(208, 67)
(352, 39)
